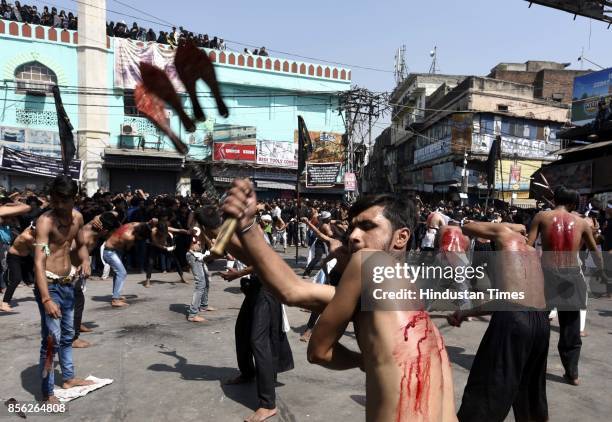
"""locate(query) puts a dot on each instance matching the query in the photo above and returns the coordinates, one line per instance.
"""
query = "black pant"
(262, 348)
(153, 253)
(253, 343)
(19, 268)
(319, 250)
(570, 342)
(509, 370)
(79, 306)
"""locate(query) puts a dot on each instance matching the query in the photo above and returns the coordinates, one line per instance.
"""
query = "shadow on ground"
(244, 394)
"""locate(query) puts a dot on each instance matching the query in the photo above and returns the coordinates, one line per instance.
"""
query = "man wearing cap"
(319, 247)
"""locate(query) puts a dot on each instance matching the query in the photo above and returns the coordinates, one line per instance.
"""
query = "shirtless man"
(262, 348)
(562, 233)
(122, 240)
(98, 228)
(516, 341)
(157, 245)
(55, 277)
(408, 375)
(18, 259)
(320, 246)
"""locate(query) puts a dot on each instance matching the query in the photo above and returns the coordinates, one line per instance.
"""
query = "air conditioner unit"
(129, 130)
(33, 88)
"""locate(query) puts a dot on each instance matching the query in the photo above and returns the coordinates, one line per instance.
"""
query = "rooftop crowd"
(53, 18)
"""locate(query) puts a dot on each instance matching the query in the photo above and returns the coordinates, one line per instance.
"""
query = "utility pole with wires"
(361, 109)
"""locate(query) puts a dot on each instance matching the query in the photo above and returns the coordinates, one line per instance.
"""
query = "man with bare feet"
(91, 233)
(509, 370)
(262, 349)
(55, 277)
(562, 234)
(408, 375)
(199, 270)
(119, 242)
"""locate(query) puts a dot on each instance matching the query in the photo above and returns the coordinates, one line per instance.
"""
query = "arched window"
(34, 78)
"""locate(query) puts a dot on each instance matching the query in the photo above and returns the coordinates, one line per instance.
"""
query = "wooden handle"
(226, 231)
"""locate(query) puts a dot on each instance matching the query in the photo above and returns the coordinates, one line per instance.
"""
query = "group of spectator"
(30, 14)
(261, 52)
(172, 38)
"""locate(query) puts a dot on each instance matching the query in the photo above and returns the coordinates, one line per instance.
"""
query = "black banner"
(322, 175)
(39, 165)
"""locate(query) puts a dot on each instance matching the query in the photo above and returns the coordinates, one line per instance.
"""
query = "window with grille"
(34, 78)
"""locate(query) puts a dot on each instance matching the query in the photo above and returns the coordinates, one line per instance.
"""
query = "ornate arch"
(11, 65)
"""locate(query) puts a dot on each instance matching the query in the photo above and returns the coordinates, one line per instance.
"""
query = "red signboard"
(234, 152)
(350, 182)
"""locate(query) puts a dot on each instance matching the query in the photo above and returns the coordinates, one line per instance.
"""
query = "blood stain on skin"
(561, 237)
(121, 230)
(420, 367)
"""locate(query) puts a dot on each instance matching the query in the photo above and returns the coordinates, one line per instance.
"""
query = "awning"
(524, 203)
(594, 145)
(274, 185)
(142, 160)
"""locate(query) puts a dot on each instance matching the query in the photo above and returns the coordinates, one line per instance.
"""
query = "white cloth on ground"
(65, 395)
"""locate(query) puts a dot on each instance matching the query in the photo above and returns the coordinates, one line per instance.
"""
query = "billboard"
(327, 147)
(322, 175)
(34, 141)
(227, 151)
(37, 165)
(277, 153)
(588, 90)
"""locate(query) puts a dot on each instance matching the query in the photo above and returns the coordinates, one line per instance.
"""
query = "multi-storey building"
(457, 121)
(119, 147)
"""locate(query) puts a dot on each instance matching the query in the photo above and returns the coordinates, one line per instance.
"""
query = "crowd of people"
(30, 14)
(56, 239)
(53, 18)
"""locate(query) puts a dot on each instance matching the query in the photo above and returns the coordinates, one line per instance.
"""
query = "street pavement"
(165, 368)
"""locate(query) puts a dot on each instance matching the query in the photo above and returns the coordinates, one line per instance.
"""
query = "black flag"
(304, 145)
(494, 155)
(65, 131)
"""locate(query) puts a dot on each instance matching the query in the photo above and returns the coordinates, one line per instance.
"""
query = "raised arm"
(273, 271)
(316, 231)
(14, 209)
(491, 231)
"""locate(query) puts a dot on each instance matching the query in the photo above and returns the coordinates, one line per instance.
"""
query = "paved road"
(165, 368)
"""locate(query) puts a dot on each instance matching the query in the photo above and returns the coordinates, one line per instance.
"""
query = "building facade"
(119, 147)
(441, 150)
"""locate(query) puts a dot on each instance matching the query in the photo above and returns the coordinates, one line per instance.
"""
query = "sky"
(471, 36)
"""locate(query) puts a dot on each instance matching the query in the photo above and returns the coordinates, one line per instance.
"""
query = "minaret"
(93, 133)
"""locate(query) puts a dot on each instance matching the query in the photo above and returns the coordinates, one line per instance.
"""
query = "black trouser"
(319, 251)
(566, 290)
(570, 342)
(292, 233)
(253, 343)
(79, 306)
(153, 253)
(509, 370)
(18, 269)
(312, 320)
